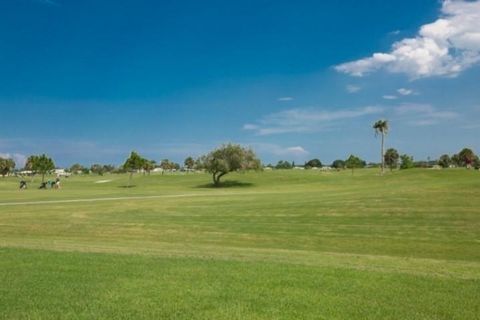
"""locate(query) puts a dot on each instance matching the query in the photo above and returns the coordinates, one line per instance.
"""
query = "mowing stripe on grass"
(130, 198)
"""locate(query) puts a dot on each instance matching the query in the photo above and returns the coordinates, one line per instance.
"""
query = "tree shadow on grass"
(127, 187)
(226, 184)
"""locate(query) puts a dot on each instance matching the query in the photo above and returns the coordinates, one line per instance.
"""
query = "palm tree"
(381, 127)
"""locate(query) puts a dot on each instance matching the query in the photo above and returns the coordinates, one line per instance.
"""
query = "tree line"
(233, 157)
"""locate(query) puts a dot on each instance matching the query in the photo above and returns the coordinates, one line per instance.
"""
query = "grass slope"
(283, 245)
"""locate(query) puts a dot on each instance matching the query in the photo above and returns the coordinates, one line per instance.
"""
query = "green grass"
(279, 245)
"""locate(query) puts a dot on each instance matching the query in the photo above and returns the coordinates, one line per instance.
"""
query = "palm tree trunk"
(383, 153)
(130, 179)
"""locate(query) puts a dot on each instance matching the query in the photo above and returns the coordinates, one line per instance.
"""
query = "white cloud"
(389, 97)
(276, 150)
(352, 88)
(405, 92)
(306, 120)
(445, 47)
(285, 99)
(423, 114)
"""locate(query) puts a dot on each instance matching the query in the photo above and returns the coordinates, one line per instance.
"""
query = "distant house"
(61, 173)
(299, 168)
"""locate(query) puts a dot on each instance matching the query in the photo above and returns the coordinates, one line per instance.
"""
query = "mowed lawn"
(272, 245)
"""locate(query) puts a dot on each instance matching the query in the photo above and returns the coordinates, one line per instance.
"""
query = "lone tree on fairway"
(354, 162)
(6, 166)
(391, 158)
(40, 164)
(228, 158)
(381, 127)
(132, 164)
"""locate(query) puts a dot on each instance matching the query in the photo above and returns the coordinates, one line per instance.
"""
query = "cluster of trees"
(465, 158)
(94, 168)
(6, 166)
(233, 157)
(219, 162)
(40, 164)
(166, 164)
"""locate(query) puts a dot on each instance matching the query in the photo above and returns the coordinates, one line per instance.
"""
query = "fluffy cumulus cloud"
(306, 120)
(445, 47)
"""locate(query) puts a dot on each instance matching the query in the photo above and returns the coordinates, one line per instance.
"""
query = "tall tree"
(134, 163)
(228, 158)
(391, 158)
(381, 127)
(41, 164)
(6, 166)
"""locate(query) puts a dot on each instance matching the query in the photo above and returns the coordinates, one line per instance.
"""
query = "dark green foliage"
(189, 163)
(381, 127)
(466, 157)
(338, 164)
(283, 165)
(6, 166)
(445, 161)
(314, 163)
(456, 160)
(134, 163)
(354, 162)
(476, 163)
(41, 164)
(391, 158)
(406, 162)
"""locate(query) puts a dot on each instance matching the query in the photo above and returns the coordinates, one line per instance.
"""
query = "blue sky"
(89, 81)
